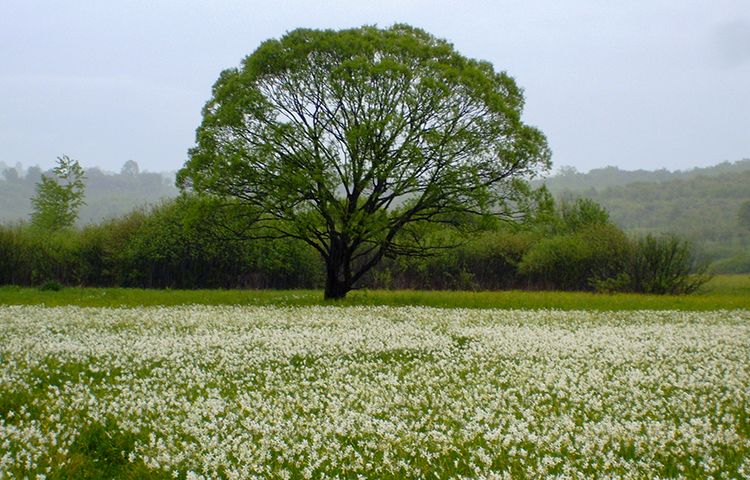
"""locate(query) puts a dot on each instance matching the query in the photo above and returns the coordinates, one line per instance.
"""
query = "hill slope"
(702, 204)
(569, 179)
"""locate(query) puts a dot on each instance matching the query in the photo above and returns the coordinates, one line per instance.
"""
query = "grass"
(727, 285)
(722, 292)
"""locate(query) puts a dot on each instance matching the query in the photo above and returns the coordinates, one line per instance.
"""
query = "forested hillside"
(570, 179)
(107, 195)
(703, 204)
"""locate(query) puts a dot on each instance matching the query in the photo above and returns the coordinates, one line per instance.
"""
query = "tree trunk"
(335, 289)
(338, 281)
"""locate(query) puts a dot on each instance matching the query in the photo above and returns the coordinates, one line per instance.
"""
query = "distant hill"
(702, 204)
(570, 179)
(107, 195)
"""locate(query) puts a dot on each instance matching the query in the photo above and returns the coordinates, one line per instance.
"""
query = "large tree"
(348, 140)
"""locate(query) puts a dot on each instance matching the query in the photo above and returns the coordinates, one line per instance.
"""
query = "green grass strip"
(723, 292)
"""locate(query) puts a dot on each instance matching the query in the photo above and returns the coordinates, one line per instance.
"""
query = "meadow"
(299, 392)
(725, 292)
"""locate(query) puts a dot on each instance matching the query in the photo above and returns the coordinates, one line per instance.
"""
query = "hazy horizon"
(641, 85)
(556, 168)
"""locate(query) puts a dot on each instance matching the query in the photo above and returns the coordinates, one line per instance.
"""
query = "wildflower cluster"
(373, 392)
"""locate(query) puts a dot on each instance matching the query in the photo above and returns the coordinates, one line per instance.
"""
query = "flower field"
(372, 392)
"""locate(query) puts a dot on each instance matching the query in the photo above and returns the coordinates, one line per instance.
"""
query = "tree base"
(335, 291)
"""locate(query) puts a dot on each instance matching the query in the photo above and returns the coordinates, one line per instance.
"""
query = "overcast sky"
(637, 84)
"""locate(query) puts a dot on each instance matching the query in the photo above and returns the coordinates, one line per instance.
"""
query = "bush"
(51, 286)
(439, 272)
(12, 254)
(576, 261)
(487, 262)
(183, 244)
(176, 244)
(493, 258)
(664, 265)
(31, 256)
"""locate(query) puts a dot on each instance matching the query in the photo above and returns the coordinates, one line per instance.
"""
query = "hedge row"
(180, 244)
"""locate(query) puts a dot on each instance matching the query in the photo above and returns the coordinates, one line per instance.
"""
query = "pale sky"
(636, 84)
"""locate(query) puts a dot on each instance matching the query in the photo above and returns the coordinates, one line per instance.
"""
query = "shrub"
(185, 244)
(493, 258)
(664, 265)
(51, 286)
(12, 253)
(581, 214)
(175, 244)
(577, 261)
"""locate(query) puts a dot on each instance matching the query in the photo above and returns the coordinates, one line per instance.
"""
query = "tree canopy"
(59, 196)
(349, 140)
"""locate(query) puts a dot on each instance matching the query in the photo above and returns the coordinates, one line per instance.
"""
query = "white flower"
(367, 392)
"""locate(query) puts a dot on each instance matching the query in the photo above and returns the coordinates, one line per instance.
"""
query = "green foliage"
(576, 260)
(721, 292)
(743, 215)
(178, 244)
(581, 213)
(193, 242)
(493, 258)
(577, 248)
(487, 260)
(30, 256)
(702, 205)
(599, 256)
(664, 265)
(58, 199)
(353, 137)
(51, 286)
(184, 244)
(12, 254)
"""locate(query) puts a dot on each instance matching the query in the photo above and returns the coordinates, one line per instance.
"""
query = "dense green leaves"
(352, 137)
(192, 243)
(577, 260)
(177, 244)
(663, 265)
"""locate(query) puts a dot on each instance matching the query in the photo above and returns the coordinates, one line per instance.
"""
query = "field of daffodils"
(372, 392)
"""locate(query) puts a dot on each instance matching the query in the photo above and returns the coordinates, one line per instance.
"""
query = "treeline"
(108, 195)
(172, 245)
(570, 179)
(705, 210)
(702, 205)
(185, 243)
